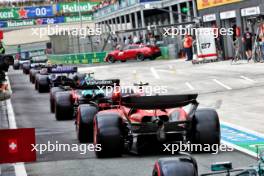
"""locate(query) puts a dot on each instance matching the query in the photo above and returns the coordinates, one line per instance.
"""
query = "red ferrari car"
(134, 51)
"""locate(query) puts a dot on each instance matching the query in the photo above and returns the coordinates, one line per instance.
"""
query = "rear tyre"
(172, 167)
(43, 84)
(206, 128)
(140, 57)
(108, 134)
(26, 68)
(16, 66)
(36, 81)
(84, 125)
(63, 106)
(32, 75)
(53, 91)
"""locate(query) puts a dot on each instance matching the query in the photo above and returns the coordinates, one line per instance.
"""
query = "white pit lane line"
(154, 72)
(248, 79)
(190, 86)
(222, 84)
(20, 169)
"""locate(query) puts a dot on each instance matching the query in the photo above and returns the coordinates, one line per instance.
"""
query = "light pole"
(80, 17)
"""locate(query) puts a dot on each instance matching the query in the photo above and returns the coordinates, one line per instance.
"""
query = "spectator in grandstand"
(187, 44)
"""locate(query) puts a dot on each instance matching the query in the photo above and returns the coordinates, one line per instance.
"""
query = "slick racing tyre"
(32, 75)
(26, 68)
(174, 166)
(108, 134)
(43, 83)
(84, 122)
(53, 91)
(63, 106)
(16, 66)
(36, 81)
(206, 128)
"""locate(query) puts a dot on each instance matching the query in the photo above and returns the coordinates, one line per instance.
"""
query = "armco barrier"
(90, 58)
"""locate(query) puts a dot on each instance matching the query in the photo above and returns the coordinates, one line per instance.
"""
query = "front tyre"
(175, 166)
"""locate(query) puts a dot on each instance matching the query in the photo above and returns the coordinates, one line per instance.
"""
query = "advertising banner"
(54, 20)
(3, 24)
(18, 23)
(77, 18)
(9, 13)
(26, 12)
(41, 11)
(74, 8)
(203, 4)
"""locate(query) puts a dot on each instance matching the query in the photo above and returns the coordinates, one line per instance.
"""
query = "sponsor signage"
(3, 24)
(55, 20)
(74, 8)
(250, 11)
(209, 17)
(18, 23)
(42, 11)
(26, 12)
(6, 13)
(203, 4)
(228, 14)
(77, 18)
(241, 139)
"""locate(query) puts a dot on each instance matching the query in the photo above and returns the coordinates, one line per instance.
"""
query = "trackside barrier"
(80, 58)
(164, 52)
(90, 58)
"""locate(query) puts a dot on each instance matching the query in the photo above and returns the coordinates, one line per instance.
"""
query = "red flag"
(16, 145)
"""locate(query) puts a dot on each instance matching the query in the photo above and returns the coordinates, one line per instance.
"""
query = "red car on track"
(134, 51)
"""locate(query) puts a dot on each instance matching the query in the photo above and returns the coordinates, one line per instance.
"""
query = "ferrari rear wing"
(96, 84)
(159, 101)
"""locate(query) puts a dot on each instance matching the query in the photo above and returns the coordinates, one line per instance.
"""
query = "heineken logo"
(19, 23)
(75, 8)
(6, 14)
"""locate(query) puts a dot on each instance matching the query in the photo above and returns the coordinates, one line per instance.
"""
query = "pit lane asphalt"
(32, 110)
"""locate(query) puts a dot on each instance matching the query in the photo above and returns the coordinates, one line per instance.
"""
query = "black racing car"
(65, 100)
(52, 76)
